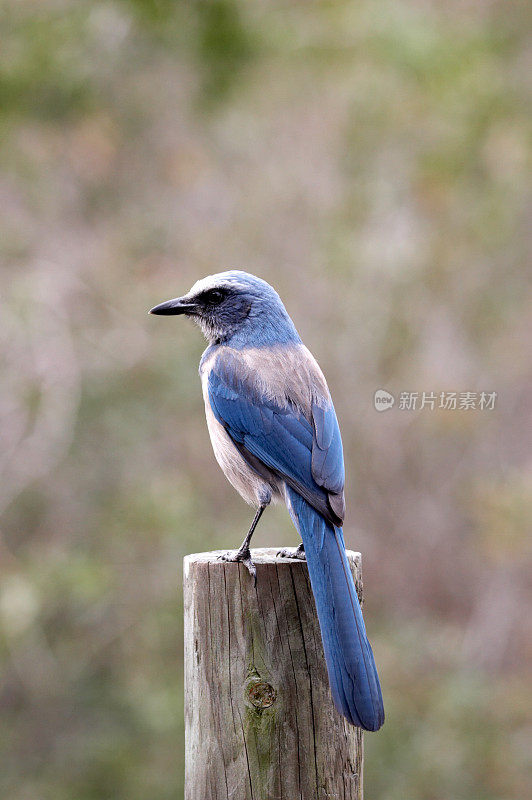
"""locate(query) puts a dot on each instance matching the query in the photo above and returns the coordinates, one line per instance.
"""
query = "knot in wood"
(259, 693)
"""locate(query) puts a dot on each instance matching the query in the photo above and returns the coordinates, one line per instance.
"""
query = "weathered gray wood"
(259, 718)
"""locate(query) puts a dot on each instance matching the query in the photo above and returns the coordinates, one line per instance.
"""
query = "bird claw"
(290, 552)
(241, 557)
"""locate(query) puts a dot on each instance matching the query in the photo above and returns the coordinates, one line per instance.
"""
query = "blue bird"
(275, 435)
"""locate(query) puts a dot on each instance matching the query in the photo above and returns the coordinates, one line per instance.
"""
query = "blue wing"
(305, 450)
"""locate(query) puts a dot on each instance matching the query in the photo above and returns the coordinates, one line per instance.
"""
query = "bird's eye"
(213, 297)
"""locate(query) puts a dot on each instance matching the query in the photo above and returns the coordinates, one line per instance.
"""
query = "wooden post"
(259, 718)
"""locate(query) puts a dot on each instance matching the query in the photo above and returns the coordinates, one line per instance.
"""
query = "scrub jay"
(275, 435)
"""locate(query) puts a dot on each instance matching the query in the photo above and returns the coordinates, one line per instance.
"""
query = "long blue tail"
(353, 676)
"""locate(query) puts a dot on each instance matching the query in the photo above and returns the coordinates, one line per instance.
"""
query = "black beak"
(180, 305)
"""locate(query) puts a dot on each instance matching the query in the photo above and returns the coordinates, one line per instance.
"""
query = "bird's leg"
(243, 554)
(289, 552)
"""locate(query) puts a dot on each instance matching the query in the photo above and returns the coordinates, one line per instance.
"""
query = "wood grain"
(259, 719)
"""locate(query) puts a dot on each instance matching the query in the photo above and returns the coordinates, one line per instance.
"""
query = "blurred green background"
(371, 160)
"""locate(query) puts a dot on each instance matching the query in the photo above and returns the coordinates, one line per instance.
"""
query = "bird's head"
(235, 306)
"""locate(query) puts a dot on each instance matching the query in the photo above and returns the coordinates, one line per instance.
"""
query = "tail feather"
(353, 676)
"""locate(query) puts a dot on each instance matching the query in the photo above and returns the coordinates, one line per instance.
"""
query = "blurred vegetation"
(372, 161)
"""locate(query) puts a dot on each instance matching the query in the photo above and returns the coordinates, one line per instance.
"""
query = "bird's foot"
(242, 556)
(290, 552)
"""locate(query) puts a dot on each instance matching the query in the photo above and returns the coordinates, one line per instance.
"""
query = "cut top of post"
(259, 555)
